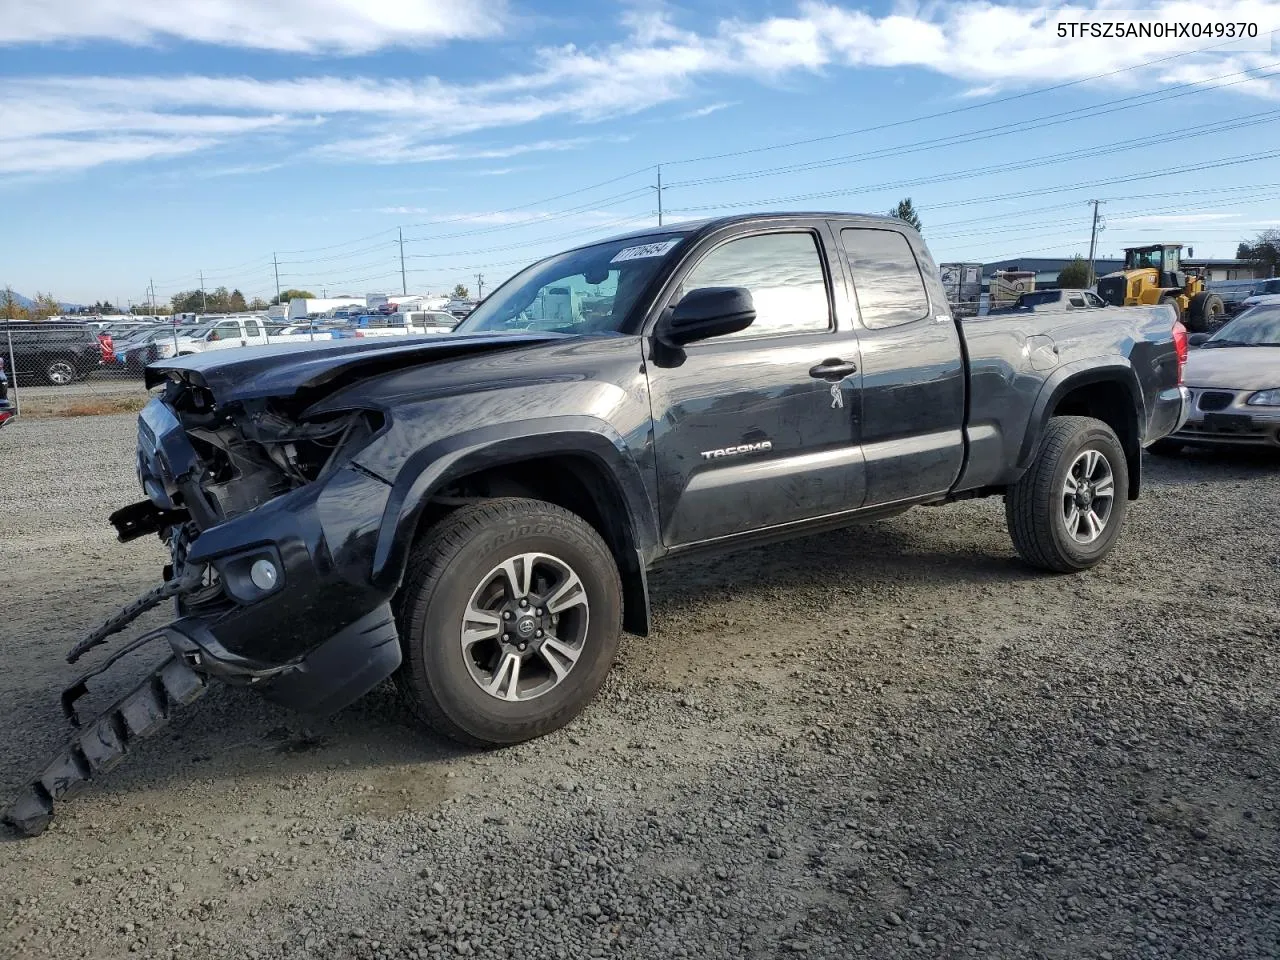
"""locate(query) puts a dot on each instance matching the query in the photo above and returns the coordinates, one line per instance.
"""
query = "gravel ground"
(889, 742)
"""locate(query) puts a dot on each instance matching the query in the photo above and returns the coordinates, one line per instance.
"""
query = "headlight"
(1265, 398)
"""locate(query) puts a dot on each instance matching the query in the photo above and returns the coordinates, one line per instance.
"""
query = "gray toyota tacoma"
(474, 515)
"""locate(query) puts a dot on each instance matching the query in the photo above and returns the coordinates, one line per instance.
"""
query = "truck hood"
(1233, 368)
(283, 370)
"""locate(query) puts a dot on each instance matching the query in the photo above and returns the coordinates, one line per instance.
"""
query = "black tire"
(449, 565)
(1166, 448)
(1206, 313)
(60, 373)
(1036, 506)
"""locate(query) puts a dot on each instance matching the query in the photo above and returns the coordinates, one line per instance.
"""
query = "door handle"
(834, 369)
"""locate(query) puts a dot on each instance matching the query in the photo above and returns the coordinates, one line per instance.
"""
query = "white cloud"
(48, 155)
(708, 110)
(1157, 219)
(418, 120)
(401, 147)
(295, 26)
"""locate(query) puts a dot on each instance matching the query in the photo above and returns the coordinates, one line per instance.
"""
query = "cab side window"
(886, 277)
(784, 273)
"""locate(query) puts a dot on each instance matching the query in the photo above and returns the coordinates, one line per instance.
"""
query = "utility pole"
(204, 304)
(276, 264)
(659, 188)
(1093, 242)
(479, 286)
(404, 286)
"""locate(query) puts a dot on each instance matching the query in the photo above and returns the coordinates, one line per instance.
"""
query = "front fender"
(425, 472)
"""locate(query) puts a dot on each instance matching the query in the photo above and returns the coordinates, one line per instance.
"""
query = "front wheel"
(1066, 511)
(59, 372)
(510, 616)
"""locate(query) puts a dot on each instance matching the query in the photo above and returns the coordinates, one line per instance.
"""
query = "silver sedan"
(1234, 379)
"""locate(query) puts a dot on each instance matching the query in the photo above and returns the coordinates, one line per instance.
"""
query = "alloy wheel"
(525, 627)
(1088, 495)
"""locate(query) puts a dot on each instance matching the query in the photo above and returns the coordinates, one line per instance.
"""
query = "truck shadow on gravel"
(950, 550)
(232, 735)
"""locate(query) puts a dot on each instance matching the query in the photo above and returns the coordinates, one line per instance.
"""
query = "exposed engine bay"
(246, 454)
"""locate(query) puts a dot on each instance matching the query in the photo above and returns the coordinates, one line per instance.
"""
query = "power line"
(987, 133)
(1094, 151)
(1260, 188)
(343, 256)
(920, 118)
(613, 201)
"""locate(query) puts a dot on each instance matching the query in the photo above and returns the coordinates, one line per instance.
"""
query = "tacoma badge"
(761, 447)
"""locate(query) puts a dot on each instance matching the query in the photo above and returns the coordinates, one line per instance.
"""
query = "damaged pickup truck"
(474, 515)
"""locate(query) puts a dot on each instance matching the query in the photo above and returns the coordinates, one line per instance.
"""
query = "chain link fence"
(70, 368)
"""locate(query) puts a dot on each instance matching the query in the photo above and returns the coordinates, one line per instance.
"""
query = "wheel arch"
(1108, 392)
(579, 463)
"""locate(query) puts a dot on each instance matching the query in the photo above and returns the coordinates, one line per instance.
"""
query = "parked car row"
(51, 351)
(1238, 295)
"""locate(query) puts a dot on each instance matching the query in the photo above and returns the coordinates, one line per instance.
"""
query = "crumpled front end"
(270, 528)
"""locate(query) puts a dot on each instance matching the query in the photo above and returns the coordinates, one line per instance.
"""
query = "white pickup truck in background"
(226, 333)
(409, 323)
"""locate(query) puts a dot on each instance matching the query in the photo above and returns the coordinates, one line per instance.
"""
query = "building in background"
(1045, 269)
(1226, 269)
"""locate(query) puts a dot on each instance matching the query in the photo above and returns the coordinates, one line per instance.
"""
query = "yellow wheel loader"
(1154, 274)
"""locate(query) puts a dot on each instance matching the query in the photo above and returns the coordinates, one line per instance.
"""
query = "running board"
(103, 743)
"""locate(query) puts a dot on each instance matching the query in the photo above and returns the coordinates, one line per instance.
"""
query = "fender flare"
(426, 471)
(1081, 373)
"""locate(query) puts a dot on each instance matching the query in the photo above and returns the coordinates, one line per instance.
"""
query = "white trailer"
(300, 309)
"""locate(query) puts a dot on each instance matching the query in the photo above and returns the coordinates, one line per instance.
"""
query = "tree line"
(45, 305)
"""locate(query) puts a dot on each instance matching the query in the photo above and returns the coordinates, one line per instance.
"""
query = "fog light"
(264, 575)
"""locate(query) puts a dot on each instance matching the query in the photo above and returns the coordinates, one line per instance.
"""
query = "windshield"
(590, 290)
(1143, 259)
(1259, 327)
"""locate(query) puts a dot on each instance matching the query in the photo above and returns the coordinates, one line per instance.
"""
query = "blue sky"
(144, 141)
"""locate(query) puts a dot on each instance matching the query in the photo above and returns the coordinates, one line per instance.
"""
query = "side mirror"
(709, 312)
(1198, 339)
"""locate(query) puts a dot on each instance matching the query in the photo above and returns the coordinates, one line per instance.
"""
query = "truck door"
(760, 428)
(253, 334)
(913, 375)
(225, 333)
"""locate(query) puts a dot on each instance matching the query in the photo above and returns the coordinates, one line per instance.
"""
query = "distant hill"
(24, 302)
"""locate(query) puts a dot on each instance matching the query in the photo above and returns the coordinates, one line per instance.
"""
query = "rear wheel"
(510, 616)
(1065, 513)
(1206, 313)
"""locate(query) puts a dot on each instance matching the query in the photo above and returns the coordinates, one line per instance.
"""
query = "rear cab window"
(886, 277)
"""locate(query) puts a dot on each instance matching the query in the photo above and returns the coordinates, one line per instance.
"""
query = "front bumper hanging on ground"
(103, 743)
(329, 677)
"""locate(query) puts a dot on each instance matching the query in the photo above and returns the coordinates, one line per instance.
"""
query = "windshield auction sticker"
(644, 251)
